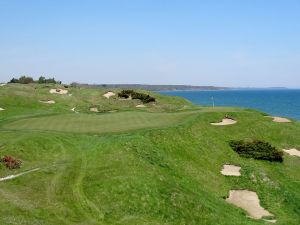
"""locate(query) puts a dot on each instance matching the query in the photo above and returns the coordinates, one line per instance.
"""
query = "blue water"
(283, 102)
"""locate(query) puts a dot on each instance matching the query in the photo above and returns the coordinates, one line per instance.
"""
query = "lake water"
(283, 102)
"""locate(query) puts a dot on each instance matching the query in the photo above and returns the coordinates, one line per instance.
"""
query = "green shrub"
(136, 95)
(257, 150)
(125, 93)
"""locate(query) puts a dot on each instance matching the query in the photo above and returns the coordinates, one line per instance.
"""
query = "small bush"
(125, 93)
(136, 95)
(11, 163)
(257, 150)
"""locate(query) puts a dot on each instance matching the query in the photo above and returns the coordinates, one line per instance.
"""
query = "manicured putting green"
(101, 123)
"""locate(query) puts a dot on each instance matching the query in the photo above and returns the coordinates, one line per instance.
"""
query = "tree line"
(29, 80)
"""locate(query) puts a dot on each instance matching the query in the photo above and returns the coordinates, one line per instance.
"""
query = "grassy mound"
(257, 150)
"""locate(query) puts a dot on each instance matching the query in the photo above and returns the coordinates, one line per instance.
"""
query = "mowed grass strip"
(101, 123)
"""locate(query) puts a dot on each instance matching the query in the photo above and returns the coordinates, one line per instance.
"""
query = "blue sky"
(223, 43)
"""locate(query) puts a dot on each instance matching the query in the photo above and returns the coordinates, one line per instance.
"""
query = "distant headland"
(150, 87)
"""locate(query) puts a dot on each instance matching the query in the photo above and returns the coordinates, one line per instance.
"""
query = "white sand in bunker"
(58, 91)
(231, 170)
(1, 109)
(48, 102)
(17, 175)
(109, 94)
(141, 106)
(280, 119)
(249, 201)
(293, 152)
(225, 121)
(94, 109)
(2, 84)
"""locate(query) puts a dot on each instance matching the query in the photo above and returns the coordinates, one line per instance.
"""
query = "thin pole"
(213, 102)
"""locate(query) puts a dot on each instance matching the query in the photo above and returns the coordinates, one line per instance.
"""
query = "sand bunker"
(280, 119)
(48, 102)
(231, 170)
(248, 200)
(293, 152)
(141, 106)
(2, 84)
(58, 91)
(225, 122)
(94, 109)
(1, 109)
(109, 94)
(17, 175)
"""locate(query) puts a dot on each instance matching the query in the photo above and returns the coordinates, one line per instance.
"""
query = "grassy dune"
(115, 168)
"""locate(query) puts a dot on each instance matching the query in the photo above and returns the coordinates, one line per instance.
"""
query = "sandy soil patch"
(17, 175)
(141, 106)
(94, 109)
(58, 91)
(293, 152)
(249, 201)
(1, 109)
(2, 84)
(231, 170)
(280, 119)
(109, 94)
(48, 102)
(225, 122)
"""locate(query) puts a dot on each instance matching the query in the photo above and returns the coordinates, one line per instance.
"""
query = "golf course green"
(158, 164)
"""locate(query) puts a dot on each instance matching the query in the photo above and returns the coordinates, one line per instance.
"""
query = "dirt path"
(17, 175)
(73, 110)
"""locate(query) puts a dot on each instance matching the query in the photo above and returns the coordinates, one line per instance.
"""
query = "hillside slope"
(125, 165)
